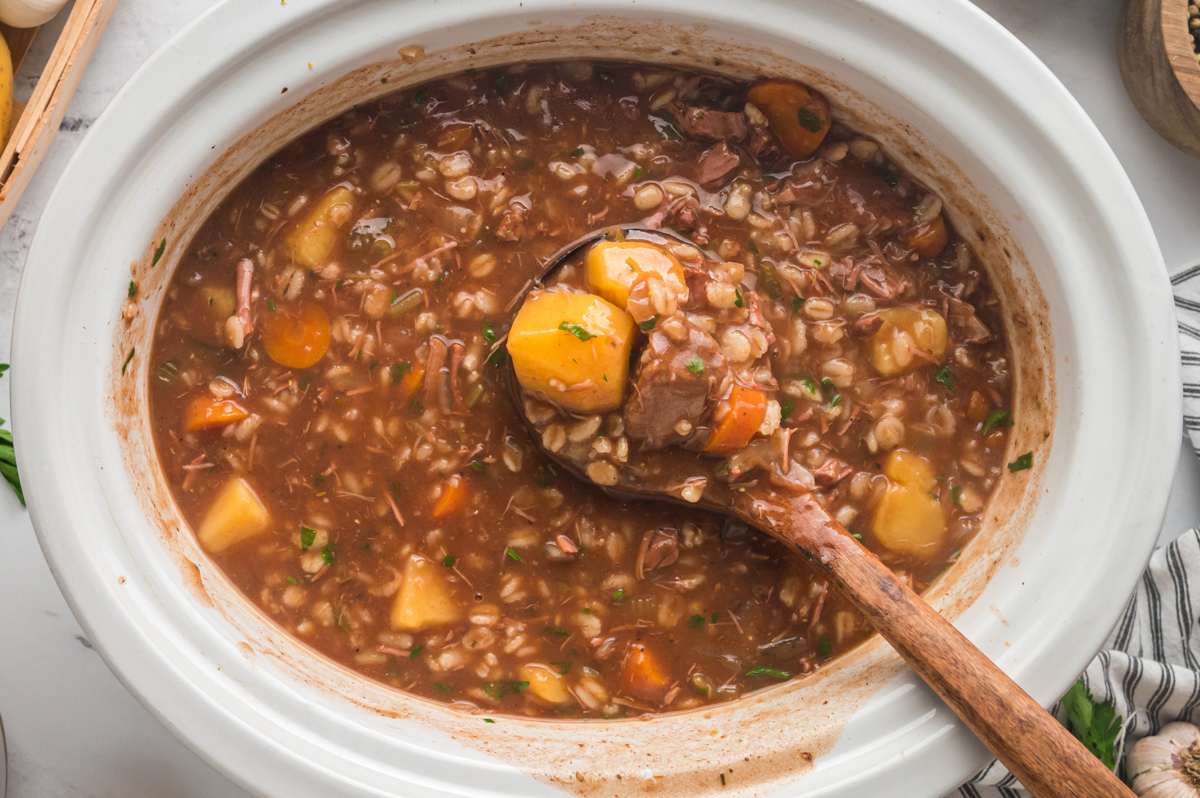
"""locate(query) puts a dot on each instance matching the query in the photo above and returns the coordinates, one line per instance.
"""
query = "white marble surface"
(72, 728)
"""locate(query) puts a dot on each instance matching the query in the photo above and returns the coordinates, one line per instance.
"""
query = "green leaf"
(8, 461)
(307, 537)
(132, 289)
(498, 690)
(489, 332)
(945, 377)
(837, 400)
(737, 302)
(824, 647)
(488, 720)
(955, 492)
(768, 280)
(772, 672)
(449, 560)
(575, 153)
(620, 594)
(648, 324)
(637, 173)
(785, 409)
(997, 418)
(696, 622)
(327, 555)
(810, 121)
(513, 554)
(1022, 463)
(158, 253)
(695, 365)
(496, 359)
(1096, 725)
(578, 331)
(3, 368)
(560, 631)
(128, 358)
(416, 651)
(797, 303)
(478, 466)
(443, 688)
(292, 579)
(421, 97)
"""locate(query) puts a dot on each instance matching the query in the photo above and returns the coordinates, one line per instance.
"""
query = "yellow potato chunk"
(311, 241)
(425, 597)
(572, 350)
(545, 682)
(235, 515)
(909, 518)
(905, 330)
(612, 267)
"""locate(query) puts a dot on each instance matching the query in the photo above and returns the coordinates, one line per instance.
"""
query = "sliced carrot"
(206, 412)
(296, 337)
(929, 239)
(798, 115)
(410, 383)
(454, 495)
(642, 675)
(747, 409)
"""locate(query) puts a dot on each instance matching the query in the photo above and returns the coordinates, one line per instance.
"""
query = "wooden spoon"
(1034, 746)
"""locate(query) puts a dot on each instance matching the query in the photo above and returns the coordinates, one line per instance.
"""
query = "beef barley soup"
(330, 410)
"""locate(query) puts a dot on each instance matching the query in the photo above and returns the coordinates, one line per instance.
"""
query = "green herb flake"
(714, 618)
(648, 324)
(575, 153)
(327, 555)
(696, 622)
(827, 385)
(317, 480)
(637, 173)
(366, 547)
(998, 418)
(563, 667)
(512, 554)
(772, 672)
(1096, 725)
(416, 651)
(837, 400)
(292, 579)
(132, 289)
(489, 332)
(695, 365)
(422, 96)
(946, 378)
(478, 466)
(857, 536)
(496, 359)
(785, 409)
(443, 688)
(824, 647)
(797, 303)
(620, 594)
(488, 720)
(891, 180)
(810, 121)
(560, 631)
(955, 492)
(753, 247)
(128, 358)
(448, 561)
(158, 253)
(577, 330)
(271, 304)
(737, 302)
(307, 537)
(1022, 463)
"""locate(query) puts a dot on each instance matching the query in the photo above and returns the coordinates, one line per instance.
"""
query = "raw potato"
(235, 515)
(909, 517)
(903, 330)
(545, 682)
(612, 267)
(311, 241)
(425, 598)
(642, 676)
(556, 365)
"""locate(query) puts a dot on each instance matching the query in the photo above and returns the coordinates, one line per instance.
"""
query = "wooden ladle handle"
(1035, 747)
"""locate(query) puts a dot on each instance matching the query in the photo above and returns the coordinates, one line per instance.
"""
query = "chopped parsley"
(637, 173)
(488, 720)
(955, 492)
(449, 560)
(810, 121)
(1096, 725)
(945, 377)
(498, 690)
(8, 457)
(824, 647)
(399, 369)
(443, 688)
(696, 622)
(327, 555)
(489, 332)
(837, 400)
(416, 651)
(271, 304)
(132, 289)
(827, 385)
(648, 324)
(997, 418)
(772, 672)
(737, 302)
(1022, 463)
(560, 631)
(496, 359)
(292, 579)
(317, 480)
(695, 365)
(575, 153)
(422, 96)
(797, 303)
(158, 253)
(620, 594)
(128, 358)
(478, 466)
(578, 331)
(512, 554)
(307, 537)
(785, 409)
(563, 667)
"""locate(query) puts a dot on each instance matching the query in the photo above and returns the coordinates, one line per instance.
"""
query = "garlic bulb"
(29, 13)
(1168, 764)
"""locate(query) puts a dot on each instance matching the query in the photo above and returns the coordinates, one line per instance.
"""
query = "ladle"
(1035, 747)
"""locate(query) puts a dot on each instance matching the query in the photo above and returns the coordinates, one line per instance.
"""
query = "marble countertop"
(72, 729)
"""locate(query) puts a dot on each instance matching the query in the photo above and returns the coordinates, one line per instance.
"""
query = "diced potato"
(221, 301)
(905, 334)
(311, 241)
(572, 350)
(545, 682)
(425, 597)
(642, 675)
(206, 412)
(235, 515)
(612, 268)
(929, 239)
(909, 518)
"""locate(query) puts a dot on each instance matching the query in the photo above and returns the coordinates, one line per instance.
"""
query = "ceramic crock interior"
(687, 755)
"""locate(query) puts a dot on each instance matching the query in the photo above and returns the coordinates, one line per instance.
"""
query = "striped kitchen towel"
(1150, 666)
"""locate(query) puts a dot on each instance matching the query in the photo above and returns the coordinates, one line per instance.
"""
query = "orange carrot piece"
(798, 115)
(642, 675)
(454, 496)
(929, 239)
(747, 409)
(296, 337)
(410, 383)
(206, 412)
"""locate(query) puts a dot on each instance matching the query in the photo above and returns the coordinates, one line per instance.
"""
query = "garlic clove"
(1163, 784)
(1166, 765)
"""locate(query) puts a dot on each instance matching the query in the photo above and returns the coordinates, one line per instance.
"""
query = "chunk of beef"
(762, 143)
(707, 123)
(831, 472)
(716, 165)
(659, 548)
(667, 391)
(512, 224)
(964, 320)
